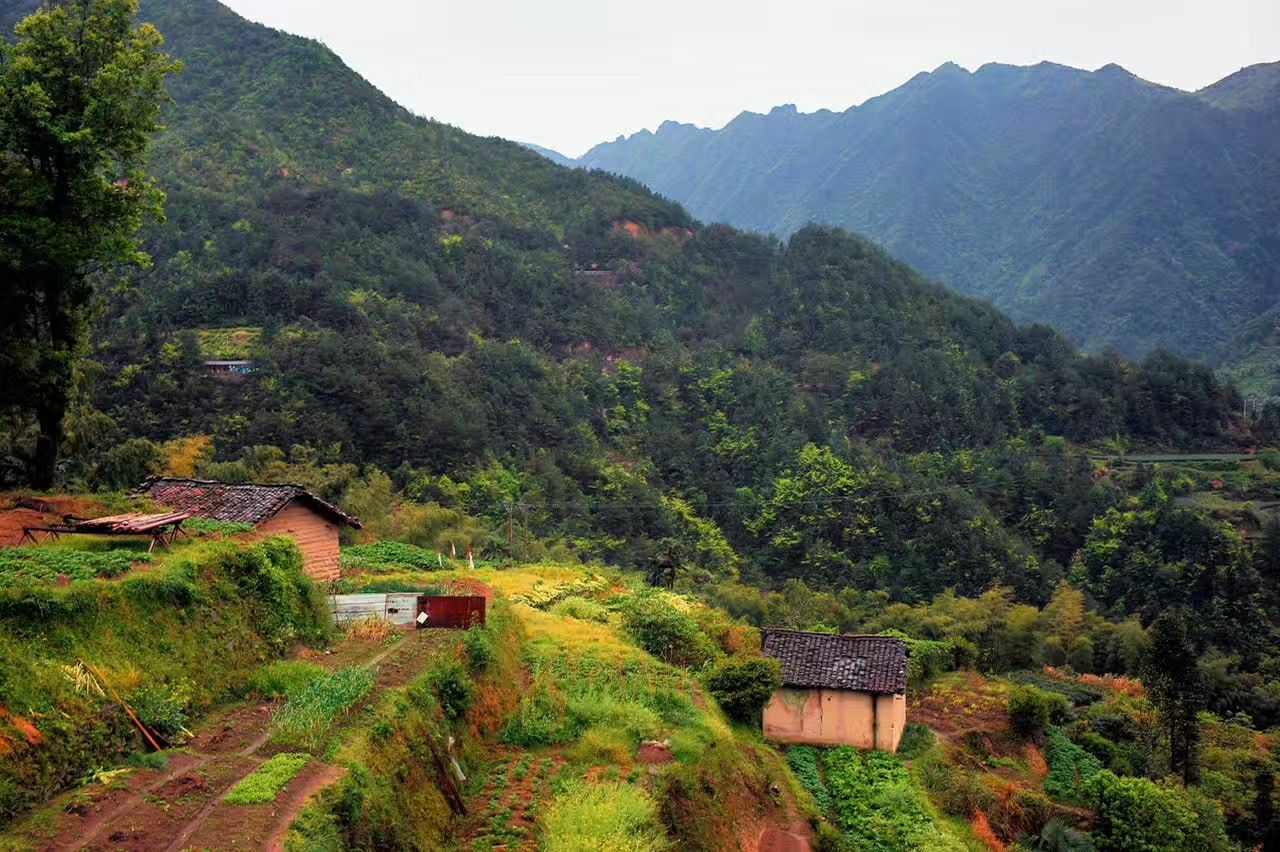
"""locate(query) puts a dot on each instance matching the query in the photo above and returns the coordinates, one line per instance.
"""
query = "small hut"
(837, 690)
(288, 510)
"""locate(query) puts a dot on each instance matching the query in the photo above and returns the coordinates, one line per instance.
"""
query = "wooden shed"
(837, 690)
(271, 509)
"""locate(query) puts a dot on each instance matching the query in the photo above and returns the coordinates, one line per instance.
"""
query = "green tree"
(1176, 685)
(80, 96)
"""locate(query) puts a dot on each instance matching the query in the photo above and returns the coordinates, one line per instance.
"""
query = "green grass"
(273, 776)
(44, 564)
(306, 721)
(284, 678)
(592, 817)
(228, 344)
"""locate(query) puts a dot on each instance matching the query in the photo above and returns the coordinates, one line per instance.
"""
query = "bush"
(916, 740)
(452, 686)
(1031, 710)
(666, 632)
(125, 466)
(591, 817)
(163, 708)
(1098, 746)
(581, 608)
(480, 648)
(1136, 815)
(1270, 459)
(742, 686)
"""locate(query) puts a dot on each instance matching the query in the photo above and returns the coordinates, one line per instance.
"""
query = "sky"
(568, 74)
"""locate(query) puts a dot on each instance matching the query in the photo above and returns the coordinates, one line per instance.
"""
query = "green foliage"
(877, 804)
(480, 648)
(307, 720)
(1136, 815)
(22, 565)
(608, 815)
(666, 632)
(1070, 767)
(383, 553)
(266, 783)
(452, 685)
(208, 526)
(803, 761)
(1031, 710)
(164, 707)
(916, 740)
(80, 95)
(742, 686)
(284, 678)
(128, 464)
(581, 608)
(190, 633)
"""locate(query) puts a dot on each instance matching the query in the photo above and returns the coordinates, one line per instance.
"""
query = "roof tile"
(822, 661)
(238, 504)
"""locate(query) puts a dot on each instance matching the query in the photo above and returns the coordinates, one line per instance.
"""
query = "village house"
(837, 690)
(288, 510)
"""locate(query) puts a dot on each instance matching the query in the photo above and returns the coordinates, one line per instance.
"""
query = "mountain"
(1122, 212)
(554, 156)
(492, 329)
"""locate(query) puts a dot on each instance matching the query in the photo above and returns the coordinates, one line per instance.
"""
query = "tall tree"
(1176, 685)
(81, 90)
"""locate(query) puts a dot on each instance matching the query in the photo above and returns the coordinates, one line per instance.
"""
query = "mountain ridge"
(1038, 187)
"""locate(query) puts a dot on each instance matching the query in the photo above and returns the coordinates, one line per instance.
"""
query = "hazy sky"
(570, 73)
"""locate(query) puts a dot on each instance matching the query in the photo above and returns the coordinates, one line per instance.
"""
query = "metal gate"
(451, 611)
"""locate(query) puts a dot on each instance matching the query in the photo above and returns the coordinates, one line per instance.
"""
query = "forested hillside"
(562, 352)
(1123, 213)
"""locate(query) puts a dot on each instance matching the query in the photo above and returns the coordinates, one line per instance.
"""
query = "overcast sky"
(570, 73)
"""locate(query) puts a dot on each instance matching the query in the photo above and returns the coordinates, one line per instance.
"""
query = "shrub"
(666, 632)
(540, 717)
(1031, 710)
(591, 817)
(604, 746)
(1270, 459)
(916, 740)
(1098, 746)
(593, 709)
(480, 648)
(163, 707)
(452, 686)
(742, 686)
(126, 465)
(284, 678)
(273, 776)
(581, 608)
(1136, 815)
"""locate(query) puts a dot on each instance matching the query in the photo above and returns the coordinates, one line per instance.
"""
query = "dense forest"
(456, 338)
(1122, 212)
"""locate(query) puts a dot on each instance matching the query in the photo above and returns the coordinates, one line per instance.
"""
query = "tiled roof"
(239, 504)
(821, 661)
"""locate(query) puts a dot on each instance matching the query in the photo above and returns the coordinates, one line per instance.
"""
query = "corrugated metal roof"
(822, 661)
(238, 504)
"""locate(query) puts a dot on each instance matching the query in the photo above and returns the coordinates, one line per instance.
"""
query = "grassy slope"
(172, 640)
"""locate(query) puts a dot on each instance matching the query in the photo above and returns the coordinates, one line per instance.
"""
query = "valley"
(370, 354)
